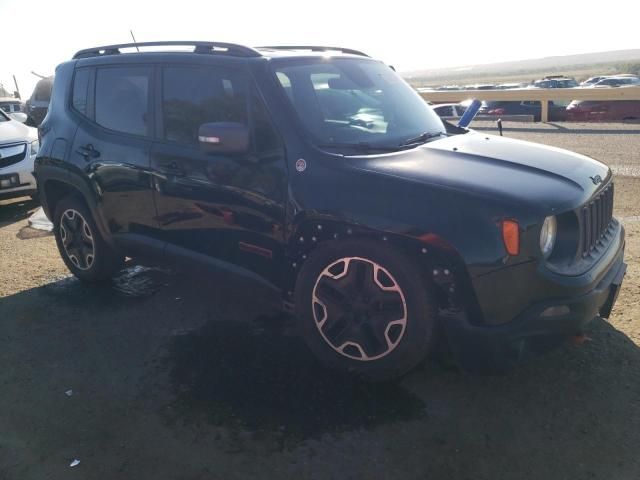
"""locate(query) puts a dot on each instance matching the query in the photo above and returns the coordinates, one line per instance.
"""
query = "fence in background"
(543, 95)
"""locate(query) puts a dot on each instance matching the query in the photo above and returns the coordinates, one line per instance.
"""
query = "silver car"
(18, 148)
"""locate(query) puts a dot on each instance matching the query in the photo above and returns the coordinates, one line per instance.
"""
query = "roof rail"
(315, 48)
(199, 47)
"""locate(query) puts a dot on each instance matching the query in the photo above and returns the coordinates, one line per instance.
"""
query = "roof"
(216, 48)
(10, 99)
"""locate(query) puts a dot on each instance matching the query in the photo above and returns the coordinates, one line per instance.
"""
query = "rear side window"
(80, 89)
(122, 99)
(192, 96)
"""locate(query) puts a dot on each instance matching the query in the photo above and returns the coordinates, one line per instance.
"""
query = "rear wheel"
(83, 250)
(365, 309)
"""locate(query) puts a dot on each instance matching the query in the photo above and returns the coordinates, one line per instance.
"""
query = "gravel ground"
(172, 376)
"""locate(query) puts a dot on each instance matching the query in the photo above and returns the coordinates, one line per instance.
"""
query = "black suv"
(322, 173)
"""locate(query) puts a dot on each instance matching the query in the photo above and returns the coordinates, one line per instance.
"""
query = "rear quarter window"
(81, 90)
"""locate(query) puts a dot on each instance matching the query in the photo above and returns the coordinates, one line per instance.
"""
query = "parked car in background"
(557, 111)
(511, 86)
(592, 80)
(600, 111)
(480, 86)
(555, 81)
(18, 149)
(617, 81)
(11, 105)
(450, 110)
(38, 103)
(448, 87)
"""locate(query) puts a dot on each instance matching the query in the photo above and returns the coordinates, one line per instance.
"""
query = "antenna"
(134, 40)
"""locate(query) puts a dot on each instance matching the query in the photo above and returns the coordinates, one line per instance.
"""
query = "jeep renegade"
(320, 172)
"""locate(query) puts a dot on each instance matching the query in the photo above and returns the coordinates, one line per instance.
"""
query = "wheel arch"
(54, 188)
(441, 264)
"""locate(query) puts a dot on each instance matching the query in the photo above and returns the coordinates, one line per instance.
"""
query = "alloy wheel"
(359, 309)
(77, 239)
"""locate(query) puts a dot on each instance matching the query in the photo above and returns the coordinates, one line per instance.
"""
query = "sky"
(410, 35)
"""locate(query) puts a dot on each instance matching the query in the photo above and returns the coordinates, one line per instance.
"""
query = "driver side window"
(192, 96)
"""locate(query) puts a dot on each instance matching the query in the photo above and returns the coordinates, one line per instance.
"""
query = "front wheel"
(365, 309)
(83, 250)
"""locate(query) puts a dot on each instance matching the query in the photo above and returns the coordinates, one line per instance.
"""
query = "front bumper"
(540, 326)
(17, 180)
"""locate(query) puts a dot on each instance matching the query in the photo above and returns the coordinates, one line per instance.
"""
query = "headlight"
(35, 146)
(548, 236)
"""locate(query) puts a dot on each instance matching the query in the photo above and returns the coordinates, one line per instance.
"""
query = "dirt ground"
(169, 375)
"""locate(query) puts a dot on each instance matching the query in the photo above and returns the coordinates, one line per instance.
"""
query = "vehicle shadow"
(221, 357)
(222, 369)
(12, 211)
(260, 376)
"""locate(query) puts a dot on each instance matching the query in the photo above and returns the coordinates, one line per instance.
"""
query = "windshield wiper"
(422, 138)
(362, 146)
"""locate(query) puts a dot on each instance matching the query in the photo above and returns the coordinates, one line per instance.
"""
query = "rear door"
(227, 207)
(112, 143)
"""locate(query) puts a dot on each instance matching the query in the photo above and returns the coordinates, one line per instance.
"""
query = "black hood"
(514, 170)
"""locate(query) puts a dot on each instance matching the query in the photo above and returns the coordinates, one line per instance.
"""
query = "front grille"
(11, 154)
(596, 218)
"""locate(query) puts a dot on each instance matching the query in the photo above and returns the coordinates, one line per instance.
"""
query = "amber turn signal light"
(511, 236)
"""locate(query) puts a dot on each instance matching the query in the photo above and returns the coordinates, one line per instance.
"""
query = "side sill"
(142, 245)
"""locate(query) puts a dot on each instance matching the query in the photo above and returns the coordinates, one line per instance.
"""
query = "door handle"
(88, 151)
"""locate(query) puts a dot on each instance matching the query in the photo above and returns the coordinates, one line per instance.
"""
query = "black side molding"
(145, 246)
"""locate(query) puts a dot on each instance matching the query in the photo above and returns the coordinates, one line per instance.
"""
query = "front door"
(229, 207)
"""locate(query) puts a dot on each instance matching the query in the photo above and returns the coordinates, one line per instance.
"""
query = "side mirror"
(224, 137)
(19, 117)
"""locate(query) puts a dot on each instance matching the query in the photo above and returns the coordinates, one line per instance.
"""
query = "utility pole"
(17, 92)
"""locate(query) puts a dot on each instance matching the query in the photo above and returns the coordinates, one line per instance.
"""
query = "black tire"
(104, 262)
(407, 345)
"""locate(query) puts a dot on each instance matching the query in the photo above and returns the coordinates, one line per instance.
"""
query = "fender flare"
(440, 261)
(78, 184)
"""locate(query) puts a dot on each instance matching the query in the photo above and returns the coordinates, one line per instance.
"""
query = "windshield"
(346, 101)
(3, 117)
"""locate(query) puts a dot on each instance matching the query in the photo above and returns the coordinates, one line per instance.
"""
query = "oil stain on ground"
(133, 282)
(140, 281)
(262, 380)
